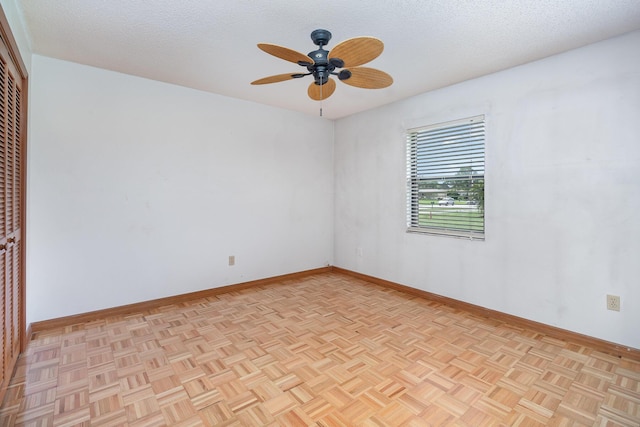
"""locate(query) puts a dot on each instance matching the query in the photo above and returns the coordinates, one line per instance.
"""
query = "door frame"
(14, 52)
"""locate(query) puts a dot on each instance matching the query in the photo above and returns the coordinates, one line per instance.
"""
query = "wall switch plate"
(232, 260)
(613, 302)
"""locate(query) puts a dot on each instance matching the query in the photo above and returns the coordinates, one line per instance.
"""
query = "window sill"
(447, 233)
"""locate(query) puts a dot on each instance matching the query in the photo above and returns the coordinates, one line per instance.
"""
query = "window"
(445, 179)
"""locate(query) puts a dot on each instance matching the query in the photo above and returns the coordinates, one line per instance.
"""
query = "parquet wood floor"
(325, 350)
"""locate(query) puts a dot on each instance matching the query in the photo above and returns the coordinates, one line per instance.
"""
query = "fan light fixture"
(343, 61)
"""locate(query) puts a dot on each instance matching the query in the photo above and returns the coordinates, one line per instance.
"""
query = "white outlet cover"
(613, 302)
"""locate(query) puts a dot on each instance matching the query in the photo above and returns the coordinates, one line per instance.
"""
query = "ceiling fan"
(321, 64)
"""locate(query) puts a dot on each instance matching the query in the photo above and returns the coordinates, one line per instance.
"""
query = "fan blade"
(357, 51)
(274, 79)
(318, 93)
(368, 78)
(285, 53)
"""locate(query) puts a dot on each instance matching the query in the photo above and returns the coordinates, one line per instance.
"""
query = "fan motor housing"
(322, 68)
(319, 57)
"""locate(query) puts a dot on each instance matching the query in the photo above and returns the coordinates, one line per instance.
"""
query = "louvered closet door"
(10, 211)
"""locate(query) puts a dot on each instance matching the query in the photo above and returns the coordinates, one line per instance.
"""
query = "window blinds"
(445, 178)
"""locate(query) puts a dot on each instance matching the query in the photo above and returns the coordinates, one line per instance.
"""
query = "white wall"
(562, 192)
(140, 190)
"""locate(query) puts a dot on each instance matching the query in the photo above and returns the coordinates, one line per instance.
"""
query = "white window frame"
(437, 156)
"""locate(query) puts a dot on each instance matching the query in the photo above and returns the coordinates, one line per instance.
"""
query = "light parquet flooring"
(325, 350)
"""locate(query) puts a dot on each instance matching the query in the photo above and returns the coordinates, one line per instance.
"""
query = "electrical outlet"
(613, 302)
(232, 260)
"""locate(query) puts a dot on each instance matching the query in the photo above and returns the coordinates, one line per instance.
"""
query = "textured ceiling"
(211, 44)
